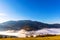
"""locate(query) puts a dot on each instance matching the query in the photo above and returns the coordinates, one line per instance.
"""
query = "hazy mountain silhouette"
(27, 25)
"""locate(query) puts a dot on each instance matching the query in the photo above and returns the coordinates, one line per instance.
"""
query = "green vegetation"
(37, 38)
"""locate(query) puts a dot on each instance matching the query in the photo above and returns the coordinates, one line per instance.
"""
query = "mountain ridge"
(27, 25)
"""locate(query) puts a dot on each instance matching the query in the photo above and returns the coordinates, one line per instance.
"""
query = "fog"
(24, 33)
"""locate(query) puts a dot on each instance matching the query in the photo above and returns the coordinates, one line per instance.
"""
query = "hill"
(37, 38)
(27, 25)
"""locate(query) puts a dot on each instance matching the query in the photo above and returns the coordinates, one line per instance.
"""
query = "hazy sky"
(47, 11)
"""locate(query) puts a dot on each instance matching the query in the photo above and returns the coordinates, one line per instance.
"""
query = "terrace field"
(31, 38)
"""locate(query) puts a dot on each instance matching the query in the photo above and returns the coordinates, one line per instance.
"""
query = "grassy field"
(37, 38)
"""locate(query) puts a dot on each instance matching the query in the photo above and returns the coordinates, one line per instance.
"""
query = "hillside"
(27, 25)
(37, 38)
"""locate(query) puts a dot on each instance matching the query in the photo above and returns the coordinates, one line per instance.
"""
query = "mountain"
(58, 25)
(27, 25)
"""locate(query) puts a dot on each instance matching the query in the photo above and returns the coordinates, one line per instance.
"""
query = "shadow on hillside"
(46, 35)
(4, 36)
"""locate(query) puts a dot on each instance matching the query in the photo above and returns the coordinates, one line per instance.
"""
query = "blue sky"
(47, 11)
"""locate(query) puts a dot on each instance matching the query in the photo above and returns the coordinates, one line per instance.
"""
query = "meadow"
(37, 38)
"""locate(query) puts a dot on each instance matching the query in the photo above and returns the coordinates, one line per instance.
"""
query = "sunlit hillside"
(37, 38)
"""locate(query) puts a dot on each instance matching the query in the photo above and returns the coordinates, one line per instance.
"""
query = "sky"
(46, 11)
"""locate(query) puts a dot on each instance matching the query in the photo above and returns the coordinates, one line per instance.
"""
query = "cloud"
(3, 17)
(3, 14)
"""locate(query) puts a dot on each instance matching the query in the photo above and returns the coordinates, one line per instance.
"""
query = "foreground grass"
(37, 38)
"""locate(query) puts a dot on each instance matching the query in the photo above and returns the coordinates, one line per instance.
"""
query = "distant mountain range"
(27, 25)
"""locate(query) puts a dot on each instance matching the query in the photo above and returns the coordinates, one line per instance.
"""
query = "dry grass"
(37, 38)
